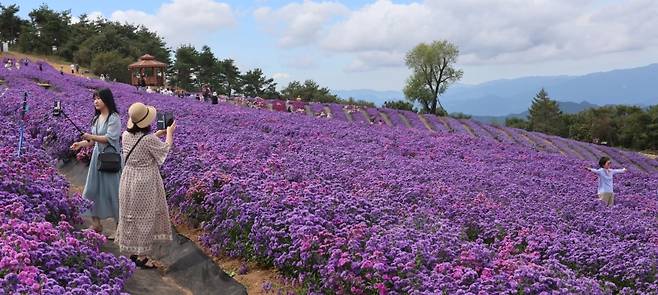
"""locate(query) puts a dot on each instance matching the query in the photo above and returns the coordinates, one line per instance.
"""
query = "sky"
(362, 44)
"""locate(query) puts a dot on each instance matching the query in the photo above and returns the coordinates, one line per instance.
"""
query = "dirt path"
(154, 282)
(255, 276)
(186, 269)
(54, 61)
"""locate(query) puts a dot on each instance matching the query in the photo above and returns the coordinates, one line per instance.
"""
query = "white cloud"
(370, 60)
(378, 35)
(182, 21)
(301, 62)
(280, 76)
(299, 24)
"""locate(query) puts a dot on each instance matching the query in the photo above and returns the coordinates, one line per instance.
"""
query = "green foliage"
(545, 114)
(207, 67)
(459, 115)
(230, 80)
(47, 28)
(10, 23)
(185, 69)
(192, 69)
(517, 123)
(433, 72)
(111, 64)
(416, 91)
(630, 127)
(309, 91)
(255, 84)
(84, 41)
(400, 105)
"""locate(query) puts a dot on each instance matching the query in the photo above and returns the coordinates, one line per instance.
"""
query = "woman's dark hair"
(105, 94)
(603, 160)
(137, 129)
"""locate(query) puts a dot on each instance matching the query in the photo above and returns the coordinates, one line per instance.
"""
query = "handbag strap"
(109, 145)
(133, 148)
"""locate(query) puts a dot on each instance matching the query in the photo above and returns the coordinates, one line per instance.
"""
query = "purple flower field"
(368, 209)
(41, 252)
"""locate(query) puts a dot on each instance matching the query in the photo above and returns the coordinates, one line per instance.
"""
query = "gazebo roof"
(147, 61)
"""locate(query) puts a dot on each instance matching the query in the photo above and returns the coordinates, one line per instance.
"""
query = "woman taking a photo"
(144, 216)
(101, 187)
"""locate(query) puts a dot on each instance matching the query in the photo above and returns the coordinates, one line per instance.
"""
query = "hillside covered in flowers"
(343, 207)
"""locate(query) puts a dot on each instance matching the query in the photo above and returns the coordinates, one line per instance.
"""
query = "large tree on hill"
(309, 91)
(209, 69)
(256, 84)
(545, 115)
(113, 65)
(229, 77)
(80, 31)
(433, 70)
(185, 67)
(47, 28)
(10, 23)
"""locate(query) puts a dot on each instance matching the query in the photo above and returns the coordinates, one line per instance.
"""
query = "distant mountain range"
(635, 86)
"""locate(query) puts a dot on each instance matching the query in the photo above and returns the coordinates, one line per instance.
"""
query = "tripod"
(21, 133)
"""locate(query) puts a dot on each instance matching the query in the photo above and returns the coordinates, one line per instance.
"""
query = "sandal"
(141, 263)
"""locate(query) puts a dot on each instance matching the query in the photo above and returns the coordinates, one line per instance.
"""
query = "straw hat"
(141, 114)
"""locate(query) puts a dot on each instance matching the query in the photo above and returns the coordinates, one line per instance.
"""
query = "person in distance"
(101, 187)
(605, 173)
(143, 213)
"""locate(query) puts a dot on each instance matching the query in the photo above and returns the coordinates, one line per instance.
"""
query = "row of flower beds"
(346, 208)
(40, 250)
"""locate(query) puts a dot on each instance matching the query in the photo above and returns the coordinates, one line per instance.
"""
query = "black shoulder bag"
(133, 148)
(109, 161)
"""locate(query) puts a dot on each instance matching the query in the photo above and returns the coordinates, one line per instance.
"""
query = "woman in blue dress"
(102, 188)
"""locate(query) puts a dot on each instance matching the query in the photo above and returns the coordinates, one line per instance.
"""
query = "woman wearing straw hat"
(143, 213)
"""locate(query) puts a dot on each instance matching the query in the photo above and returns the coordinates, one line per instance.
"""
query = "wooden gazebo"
(151, 70)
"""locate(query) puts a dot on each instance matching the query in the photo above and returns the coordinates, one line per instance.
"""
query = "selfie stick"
(22, 129)
(58, 110)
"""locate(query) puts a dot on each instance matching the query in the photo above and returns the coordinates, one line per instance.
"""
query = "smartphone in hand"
(164, 120)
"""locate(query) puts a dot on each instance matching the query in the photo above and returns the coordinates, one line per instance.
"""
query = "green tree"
(113, 65)
(545, 115)
(652, 128)
(80, 32)
(309, 91)
(229, 77)
(184, 68)
(459, 115)
(515, 122)
(433, 67)
(10, 23)
(256, 84)
(209, 68)
(630, 124)
(46, 29)
(400, 105)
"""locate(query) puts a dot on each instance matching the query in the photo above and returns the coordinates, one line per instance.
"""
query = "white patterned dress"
(143, 213)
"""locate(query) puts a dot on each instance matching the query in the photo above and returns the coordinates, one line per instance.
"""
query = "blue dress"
(102, 188)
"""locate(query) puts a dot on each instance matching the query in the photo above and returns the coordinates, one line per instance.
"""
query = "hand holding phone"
(164, 120)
